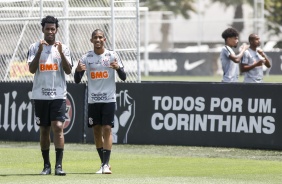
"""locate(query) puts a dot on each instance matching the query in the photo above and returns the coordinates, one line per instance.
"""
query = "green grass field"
(147, 164)
(216, 78)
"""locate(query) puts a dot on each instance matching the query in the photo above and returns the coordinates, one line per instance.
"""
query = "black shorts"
(49, 110)
(101, 114)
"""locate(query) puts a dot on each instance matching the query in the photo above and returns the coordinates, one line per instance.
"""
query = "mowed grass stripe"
(143, 164)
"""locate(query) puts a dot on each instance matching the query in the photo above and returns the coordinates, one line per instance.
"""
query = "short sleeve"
(67, 55)
(32, 52)
(118, 59)
(245, 59)
(83, 59)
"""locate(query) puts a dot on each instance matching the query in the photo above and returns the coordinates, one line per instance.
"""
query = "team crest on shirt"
(70, 114)
(108, 59)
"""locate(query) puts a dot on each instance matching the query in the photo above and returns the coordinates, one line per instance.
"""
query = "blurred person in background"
(253, 60)
(229, 60)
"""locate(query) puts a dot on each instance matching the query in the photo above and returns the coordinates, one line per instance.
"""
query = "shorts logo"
(124, 117)
(37, 120)
(90, 120)
(70, 114)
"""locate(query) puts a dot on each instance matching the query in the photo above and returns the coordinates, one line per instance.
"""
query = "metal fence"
(20, 27)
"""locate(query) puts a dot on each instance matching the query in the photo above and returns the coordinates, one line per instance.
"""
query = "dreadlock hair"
(229, 33)
(49, 19)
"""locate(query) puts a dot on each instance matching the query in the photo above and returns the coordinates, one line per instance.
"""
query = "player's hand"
(114, 65)
(80, 66)
(244, 46)
(260, 51)
(41, 43)
(60, 47)
(260, 62)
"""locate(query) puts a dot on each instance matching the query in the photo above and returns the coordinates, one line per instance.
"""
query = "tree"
(180, 7)
(238, 4)
(273, 16)
(273, 13)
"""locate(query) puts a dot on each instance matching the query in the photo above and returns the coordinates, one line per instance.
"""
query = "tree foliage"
(274, 15)
(228, 3)
(180, 7)
(238, 14)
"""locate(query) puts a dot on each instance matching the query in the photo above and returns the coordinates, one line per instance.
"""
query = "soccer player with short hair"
(101, 66)
(49, 60)
(253, 60)
(229, 60)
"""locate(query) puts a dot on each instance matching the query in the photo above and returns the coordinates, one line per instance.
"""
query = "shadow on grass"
(7, 175)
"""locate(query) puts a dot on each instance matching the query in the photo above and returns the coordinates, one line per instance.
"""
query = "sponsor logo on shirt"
(99, 97)
(48, 67)
(99, 74)
(48, 92)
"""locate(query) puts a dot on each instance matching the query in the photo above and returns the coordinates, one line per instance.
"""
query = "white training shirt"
(49, 80)
(254, 75)
(101, 78)
(230, 68)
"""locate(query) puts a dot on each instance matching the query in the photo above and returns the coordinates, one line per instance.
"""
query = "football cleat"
(106, 169)
(46, 170)
(59, 171)
(100, 171)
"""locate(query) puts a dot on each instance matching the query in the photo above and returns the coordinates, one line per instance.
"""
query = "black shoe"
(46, 170)
(59, 171)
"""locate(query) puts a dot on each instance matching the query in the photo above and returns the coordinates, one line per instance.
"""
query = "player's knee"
(57, 127)
(107, 130)
(44, 131)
